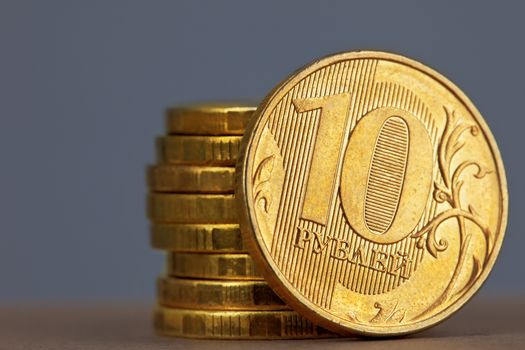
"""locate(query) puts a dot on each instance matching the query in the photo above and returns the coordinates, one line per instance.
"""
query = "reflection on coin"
(373, 194)
(189, 178)
(218, 295)
(203, 238)
(212, 266)
(192, 208)
(209, 119)
(236, 324)
(200, 150)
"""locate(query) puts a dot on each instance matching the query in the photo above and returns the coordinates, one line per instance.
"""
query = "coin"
(235, 324)
(192, 208)
(218, 238)
(189, 178)
(212, 266)
(217, 295)
(372, 193)
(200, 150)
(209, 119)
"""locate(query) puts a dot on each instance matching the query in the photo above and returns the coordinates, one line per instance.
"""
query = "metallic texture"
(192, 208)
(192, 238)
(191, 179)
(236, 324)
(217, 295)
(212, 266)
(200, 150)
(372, 194)
(209, 119)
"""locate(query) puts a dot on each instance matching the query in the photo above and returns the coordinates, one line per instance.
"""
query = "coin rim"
(178, 173)
(252, 235)
(201, 113)
(156, 213)
(255, 275)
(161, 311)
(166, 284)
(158, 231)
(196, 154)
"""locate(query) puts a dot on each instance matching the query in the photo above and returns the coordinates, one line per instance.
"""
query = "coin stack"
(211, 287)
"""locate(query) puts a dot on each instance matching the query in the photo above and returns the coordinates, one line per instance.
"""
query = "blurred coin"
(218, 238)
(200, 150)
(212, 266)
(209, 119)
(192, 208)
(235, 324)
(217, 295)
(190, 178)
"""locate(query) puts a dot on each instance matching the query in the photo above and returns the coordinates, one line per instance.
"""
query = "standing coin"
(372, 193)
(209, 119)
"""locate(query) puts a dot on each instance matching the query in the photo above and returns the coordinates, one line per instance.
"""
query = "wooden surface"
(482, 324)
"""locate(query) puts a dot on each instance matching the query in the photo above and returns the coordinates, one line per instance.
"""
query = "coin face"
(372, 194)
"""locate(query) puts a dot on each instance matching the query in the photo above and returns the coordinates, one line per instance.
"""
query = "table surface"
(483, 323)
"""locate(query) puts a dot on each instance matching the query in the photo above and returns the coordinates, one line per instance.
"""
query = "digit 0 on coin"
(372, 194)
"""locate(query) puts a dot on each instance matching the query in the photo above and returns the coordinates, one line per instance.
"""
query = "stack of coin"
(211, 288)
(352, 192)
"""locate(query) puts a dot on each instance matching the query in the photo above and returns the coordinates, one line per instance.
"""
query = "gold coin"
(235, 324)
(209, 119)
(212, 266)
(218, 295)
(189, 178)
(200, 150)
(225, 238)
(192, 208)
(373, 194)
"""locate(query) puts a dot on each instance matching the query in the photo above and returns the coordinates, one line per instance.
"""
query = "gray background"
(83, 86)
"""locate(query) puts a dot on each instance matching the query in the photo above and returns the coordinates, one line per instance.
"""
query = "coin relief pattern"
(309, 245)
(357, 180)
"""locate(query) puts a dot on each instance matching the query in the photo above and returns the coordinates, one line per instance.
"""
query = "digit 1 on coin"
(327, 152)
